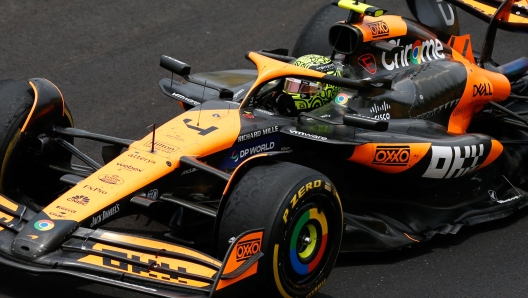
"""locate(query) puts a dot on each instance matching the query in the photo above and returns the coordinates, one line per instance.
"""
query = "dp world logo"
(234, 156)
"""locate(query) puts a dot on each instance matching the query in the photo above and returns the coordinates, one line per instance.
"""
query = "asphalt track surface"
(104, 56)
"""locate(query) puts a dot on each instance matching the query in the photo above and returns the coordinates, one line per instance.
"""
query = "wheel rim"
(306, 244)
(308, 241)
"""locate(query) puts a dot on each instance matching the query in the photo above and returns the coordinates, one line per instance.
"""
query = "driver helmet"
(309, 95)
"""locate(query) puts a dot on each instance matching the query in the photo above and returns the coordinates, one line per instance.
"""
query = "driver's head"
(309, 95)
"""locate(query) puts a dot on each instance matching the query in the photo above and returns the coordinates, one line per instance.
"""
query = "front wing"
(136, 263)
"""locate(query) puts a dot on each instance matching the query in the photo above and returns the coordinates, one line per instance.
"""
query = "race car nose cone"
(41, 235)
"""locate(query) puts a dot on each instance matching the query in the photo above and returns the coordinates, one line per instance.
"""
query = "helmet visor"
(292, 85)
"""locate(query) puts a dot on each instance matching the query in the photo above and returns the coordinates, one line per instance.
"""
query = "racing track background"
(104, 56)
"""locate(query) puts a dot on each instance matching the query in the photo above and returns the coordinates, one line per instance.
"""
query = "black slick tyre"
(300, 210)
(23, 174)
(314, 36)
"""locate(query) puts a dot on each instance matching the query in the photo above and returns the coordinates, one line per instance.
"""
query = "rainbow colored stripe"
(320, 219)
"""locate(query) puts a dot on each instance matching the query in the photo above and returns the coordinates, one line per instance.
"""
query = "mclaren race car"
(425, 136)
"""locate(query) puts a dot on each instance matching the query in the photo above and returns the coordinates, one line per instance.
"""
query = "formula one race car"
(425, 136)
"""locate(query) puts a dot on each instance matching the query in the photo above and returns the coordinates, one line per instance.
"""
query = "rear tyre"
(24, 175)
(314, 36)
(301, 213)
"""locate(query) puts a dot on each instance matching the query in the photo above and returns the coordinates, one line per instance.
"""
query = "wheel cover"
(308, 241)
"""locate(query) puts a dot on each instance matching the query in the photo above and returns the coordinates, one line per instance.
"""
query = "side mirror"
(175, 66)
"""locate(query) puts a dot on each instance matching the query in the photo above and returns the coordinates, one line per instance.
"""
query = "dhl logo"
(392, 155)
(245, 249)
(151, 266)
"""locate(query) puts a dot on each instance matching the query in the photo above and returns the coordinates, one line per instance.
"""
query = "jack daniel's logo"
(105, 215)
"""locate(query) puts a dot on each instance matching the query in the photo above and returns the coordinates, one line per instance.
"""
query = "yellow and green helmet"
(309, 95)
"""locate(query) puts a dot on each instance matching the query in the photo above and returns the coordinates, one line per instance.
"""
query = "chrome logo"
(416, 52)
(420, 51)
(341, 99)
(44, 225)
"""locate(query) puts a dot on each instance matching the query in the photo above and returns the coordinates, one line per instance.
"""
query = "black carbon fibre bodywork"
(384, 211)
(416, 88)
(420, 140)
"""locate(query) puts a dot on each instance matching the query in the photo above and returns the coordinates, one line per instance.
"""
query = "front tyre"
(24, 173)
(300, 210)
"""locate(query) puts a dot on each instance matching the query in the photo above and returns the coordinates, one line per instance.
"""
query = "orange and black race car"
(424, 136)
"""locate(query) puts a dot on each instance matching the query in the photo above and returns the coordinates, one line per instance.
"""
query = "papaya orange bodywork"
(462, 44)
(138, 166)
(6, 217)
(482, 86)
(233, 262)
(174, 264)
(269, 69)
(490, 10)
(496, 150)
(8, 204)
(367, 155)
(394, 26)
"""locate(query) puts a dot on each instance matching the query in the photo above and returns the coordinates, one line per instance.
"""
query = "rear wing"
(513, 17)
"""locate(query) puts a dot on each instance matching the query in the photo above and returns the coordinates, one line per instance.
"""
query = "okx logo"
(245, 249)
(379, 29)
(392, 155)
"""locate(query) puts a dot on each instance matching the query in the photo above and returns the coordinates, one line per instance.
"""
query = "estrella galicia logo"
(245, 249)
(379, 29)
(368, 62)
(392, 155)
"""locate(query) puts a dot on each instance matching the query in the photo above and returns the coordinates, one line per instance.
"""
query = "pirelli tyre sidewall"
(305, 237)
(300, 210)
(314, 35)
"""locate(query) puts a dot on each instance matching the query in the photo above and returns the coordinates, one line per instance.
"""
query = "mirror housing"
(175, 66)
